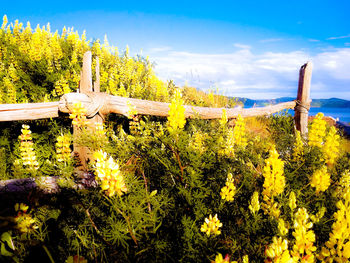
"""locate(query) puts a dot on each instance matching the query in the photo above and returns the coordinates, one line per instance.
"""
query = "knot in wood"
(97, 105)
(93, 102)
(302, 107)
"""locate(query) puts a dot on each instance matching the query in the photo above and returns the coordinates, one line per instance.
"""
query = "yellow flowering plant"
(211, 226)
(109, 175)
(317, 130)
(176, 118)
(229, 190)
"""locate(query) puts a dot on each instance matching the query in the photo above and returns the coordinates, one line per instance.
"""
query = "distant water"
(343, 114)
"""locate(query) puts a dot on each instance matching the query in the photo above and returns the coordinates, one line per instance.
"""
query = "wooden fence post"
(303, 99)
(86, 88)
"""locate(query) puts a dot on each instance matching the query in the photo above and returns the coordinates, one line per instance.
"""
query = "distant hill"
(325, 103)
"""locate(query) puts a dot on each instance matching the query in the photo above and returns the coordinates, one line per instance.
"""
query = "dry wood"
(303, 99)
(118, 105)
(44, 185)
(28, 111)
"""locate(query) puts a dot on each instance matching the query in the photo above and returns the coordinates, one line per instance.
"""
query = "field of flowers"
(167, 189)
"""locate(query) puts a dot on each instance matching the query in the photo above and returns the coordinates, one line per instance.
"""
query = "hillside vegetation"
(159, 189)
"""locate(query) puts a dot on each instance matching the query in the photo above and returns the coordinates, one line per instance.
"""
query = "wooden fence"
(99, 104)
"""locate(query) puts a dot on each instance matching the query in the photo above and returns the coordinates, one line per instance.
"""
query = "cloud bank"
(243, 73)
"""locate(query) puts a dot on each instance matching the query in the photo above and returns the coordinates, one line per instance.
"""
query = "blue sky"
(240, 48)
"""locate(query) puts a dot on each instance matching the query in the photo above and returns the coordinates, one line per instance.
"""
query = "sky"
(246, 48)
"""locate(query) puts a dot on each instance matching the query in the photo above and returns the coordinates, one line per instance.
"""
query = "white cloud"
(243, 73)
(241, 46)
(340, 37)
(269, 40)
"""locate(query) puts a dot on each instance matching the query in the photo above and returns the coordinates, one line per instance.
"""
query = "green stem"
(48, 254)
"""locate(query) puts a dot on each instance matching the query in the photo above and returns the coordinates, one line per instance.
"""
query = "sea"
(339, 114)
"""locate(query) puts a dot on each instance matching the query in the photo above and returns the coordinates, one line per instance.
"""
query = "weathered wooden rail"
(99, 104)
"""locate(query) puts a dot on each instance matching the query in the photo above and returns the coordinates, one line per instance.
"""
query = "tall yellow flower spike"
(337, 248)
(303, 248)
(109, 174)
(331, 146)
(298, 147)
(317, 130)
(239, 132)
(176, 118)
(321, 180)
(278, 251)
(26, 147)
(63, 151)
(211, 225)
(229, 190)
(273, 173)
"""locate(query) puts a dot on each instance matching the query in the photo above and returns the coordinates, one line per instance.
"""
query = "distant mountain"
(325, 103)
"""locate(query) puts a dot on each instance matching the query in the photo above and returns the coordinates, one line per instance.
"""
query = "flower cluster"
(78, 114)
(254, 205)
(331, 146)
(223, 120)
(321, 180)
(176, 118)
(211, 225)
(274, 183)
(292, 203)
(338, 246)
(229, 190)
(109, 174)
(273, 173)
(278, 251)
(63, 151)
(317, 130)
(61, 87)
(26, 148)
(298, 147)
(24, 221)
(134, 124)
(304, 237)
(239, 132)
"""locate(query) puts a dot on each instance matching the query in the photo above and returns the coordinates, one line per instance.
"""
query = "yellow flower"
(321, 180)
(304, 238)
(331, 146)
(176, 118)
(132, 111)
(223, 120)
(211, 225)
(283, 230)
(292, 201)
(25, 223)
(254, 206)
(338, 246)
(278, 251)
(229, 190)
(239, 132)
(298, 147)
(28, 156)
(273, 173)
(63, 151)
(317, 131)
(109, 174)
(78, 114)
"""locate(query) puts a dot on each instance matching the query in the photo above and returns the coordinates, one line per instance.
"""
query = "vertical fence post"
(86, 87)
(303, 99)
